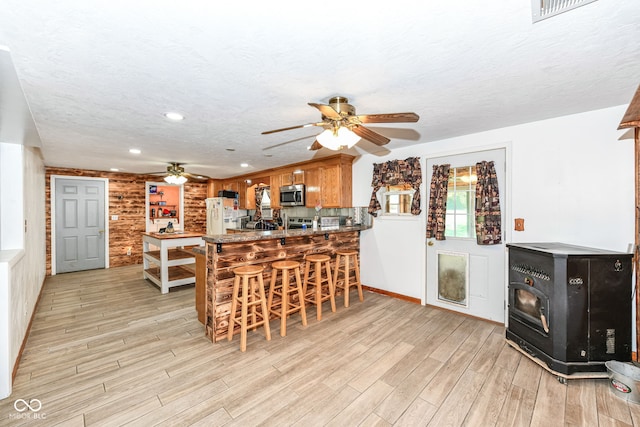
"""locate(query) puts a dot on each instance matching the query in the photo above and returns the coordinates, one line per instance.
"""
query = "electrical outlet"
(129, 251)
(114, 217)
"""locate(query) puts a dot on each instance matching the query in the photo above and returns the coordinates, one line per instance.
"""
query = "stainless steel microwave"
(292, 195)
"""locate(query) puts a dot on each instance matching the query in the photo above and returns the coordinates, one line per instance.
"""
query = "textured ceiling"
(99, 75)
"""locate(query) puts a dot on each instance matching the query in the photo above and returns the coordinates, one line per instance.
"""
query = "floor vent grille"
(543, 9)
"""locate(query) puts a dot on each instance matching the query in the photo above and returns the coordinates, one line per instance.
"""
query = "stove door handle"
(545, 325)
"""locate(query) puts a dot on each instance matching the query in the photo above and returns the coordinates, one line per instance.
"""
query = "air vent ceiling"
(543, 9)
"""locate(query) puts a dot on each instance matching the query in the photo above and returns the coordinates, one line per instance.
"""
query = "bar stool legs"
(248, 296)
(347, 256)
(317, 297)
(285, 306)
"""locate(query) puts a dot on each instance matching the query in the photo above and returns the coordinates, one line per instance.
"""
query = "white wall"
(572, 180)
(22, 270)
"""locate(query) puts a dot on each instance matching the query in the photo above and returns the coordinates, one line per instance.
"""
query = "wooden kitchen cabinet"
(250, 197)
(230, 185)
(312, 187)
(240, 187)
(329, 184)
(274, 191)
(242, 194)
(293, 177)
(327, 180)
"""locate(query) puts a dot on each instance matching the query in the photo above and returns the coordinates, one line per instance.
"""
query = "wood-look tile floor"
(106, 348)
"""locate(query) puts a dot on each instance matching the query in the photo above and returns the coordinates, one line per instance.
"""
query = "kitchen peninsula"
(224, 252)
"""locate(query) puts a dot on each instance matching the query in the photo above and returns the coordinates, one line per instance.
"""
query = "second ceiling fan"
(343, 128)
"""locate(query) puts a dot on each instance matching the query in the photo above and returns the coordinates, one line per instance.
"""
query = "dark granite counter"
(252, 235)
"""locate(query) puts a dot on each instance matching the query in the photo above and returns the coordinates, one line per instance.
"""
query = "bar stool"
(348, 261)
(286, 306)
(248, 297)
(317, 297)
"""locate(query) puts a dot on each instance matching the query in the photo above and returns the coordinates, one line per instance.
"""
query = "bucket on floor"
(625, 380)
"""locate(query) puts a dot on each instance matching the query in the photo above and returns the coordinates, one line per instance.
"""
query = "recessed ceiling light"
(114, 169)
(172, 115)
(135, 151)
(244, 165)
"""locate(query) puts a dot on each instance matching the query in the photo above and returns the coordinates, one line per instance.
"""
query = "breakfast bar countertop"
(250, 236)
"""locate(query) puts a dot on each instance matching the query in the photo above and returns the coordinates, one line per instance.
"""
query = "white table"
(171, 265)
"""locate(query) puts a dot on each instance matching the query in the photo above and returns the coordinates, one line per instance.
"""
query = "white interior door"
(462, 275)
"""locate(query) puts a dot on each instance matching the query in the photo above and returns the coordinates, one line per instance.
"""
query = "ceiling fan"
(343, 128)
(175, 174)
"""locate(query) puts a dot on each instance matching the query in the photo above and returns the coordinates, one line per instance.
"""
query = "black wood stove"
(570, 306)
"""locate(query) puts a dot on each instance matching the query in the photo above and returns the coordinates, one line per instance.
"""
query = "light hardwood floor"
(106, 348)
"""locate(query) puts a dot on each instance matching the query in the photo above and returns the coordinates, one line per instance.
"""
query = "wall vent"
(543, 9)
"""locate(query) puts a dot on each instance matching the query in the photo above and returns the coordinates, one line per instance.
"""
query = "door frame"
(506, 229)
(147, 184)
(52, 189)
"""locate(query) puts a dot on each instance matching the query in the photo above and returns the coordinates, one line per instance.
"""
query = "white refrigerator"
(222, 213)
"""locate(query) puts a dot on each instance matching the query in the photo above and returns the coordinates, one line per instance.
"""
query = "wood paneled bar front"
(224, 252)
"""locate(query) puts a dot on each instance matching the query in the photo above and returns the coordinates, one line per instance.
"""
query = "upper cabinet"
(250, 197)
(292, 177)
(327, 181)
(276, 182)
(240, 187)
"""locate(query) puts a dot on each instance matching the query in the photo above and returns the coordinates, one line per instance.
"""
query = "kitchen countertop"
(174, 235)
(253, 235)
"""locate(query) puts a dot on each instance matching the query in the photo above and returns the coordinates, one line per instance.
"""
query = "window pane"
(461, 202)
(449, 226)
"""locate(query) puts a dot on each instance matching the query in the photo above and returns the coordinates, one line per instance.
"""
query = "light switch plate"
(519, 224)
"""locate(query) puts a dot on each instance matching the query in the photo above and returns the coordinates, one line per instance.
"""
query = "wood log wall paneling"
(127, 200)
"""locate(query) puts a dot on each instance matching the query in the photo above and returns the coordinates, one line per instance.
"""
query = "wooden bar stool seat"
(248, 292)
(350, 260)
(318, 295)
(285, 305)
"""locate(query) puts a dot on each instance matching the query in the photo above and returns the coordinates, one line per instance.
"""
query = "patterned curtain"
(488, 219)
(438, 202)
(259, 192)
(396, 172)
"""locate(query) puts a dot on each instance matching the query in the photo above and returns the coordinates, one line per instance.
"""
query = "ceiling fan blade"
(293, 127)
(315, 146)
(327, 111)
(388, 118)
(196, 177)
(370, 135)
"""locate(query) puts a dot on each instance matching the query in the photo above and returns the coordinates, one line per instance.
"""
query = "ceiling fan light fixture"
(175, 179)
(341, 138)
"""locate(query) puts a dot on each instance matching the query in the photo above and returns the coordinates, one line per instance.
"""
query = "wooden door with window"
(462, 275)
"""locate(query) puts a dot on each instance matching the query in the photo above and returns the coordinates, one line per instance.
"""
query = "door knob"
(430, 243)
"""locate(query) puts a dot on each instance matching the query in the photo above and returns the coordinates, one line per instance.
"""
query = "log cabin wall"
(127, 200)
